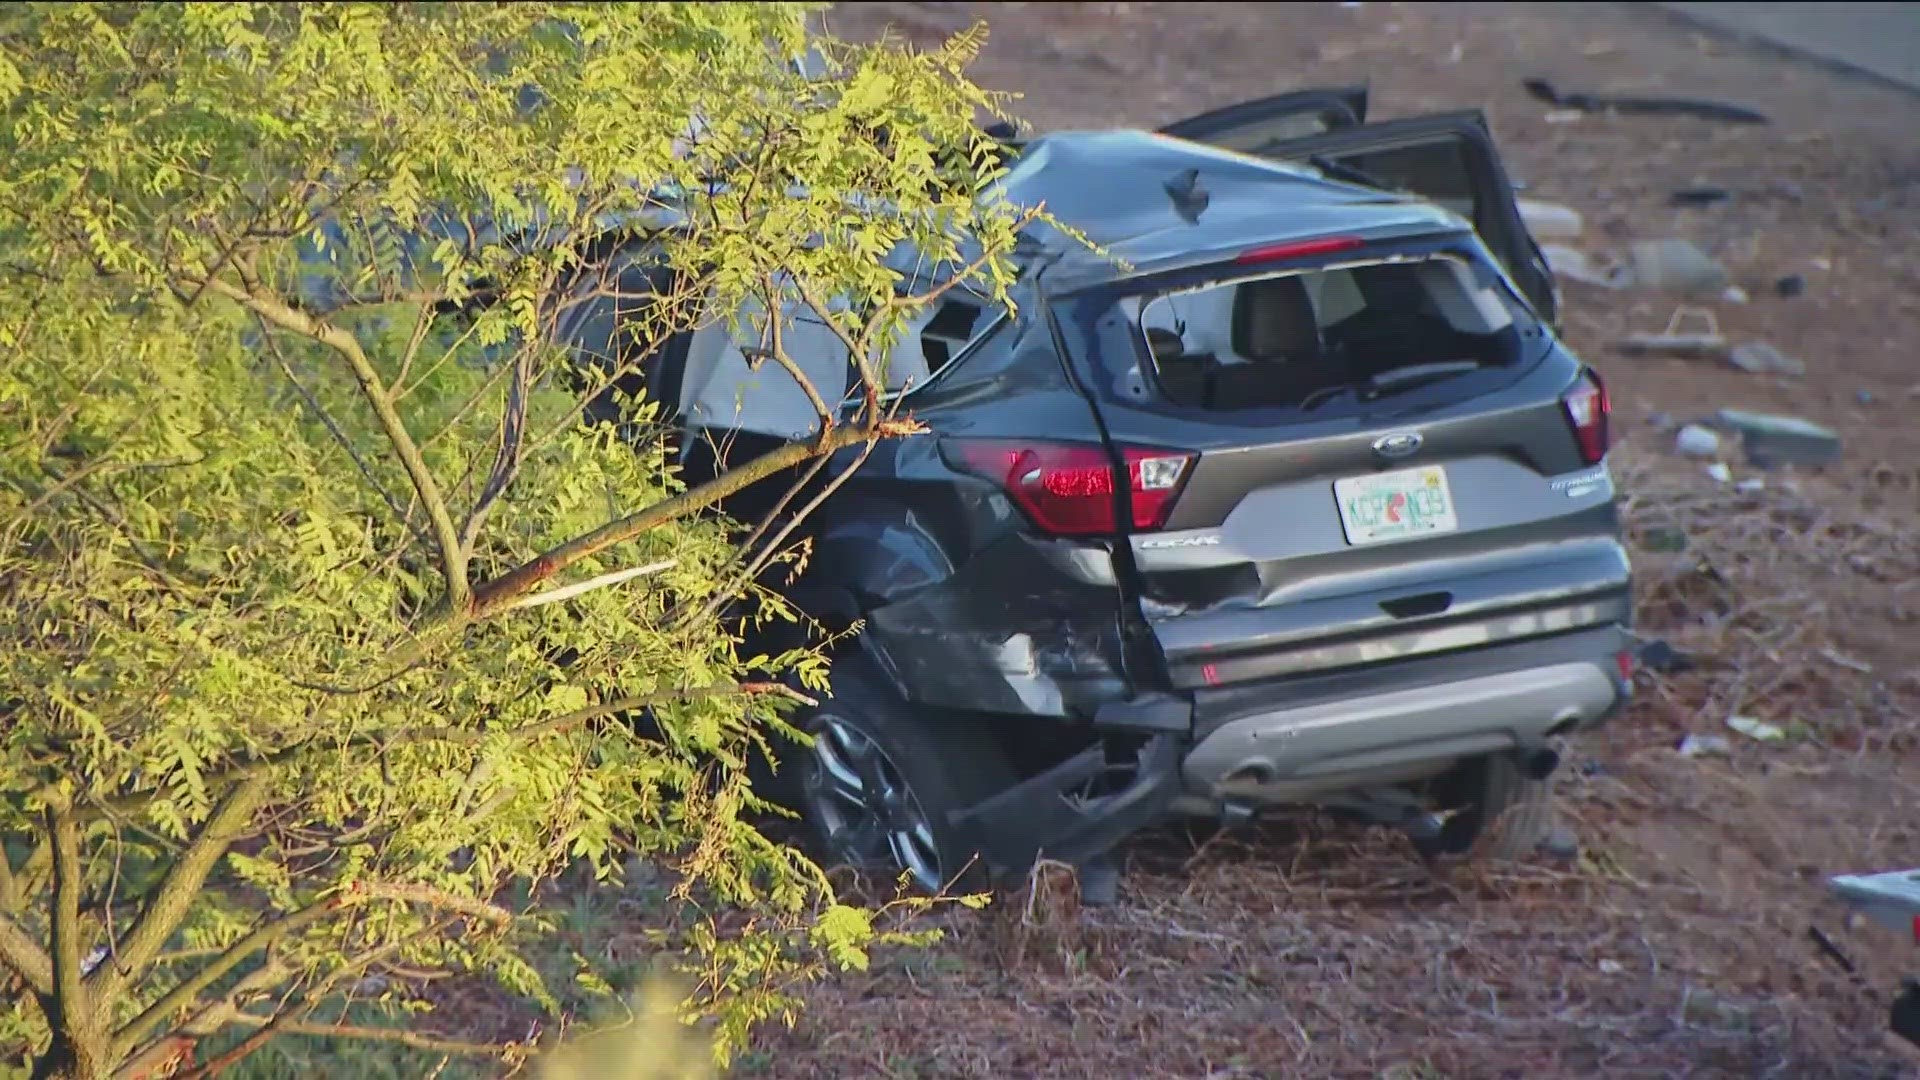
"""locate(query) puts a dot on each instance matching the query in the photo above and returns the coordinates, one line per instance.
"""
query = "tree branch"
(162, 913)
(506, 462)
(494, 596)
(446, 536)
(258, 768)
(11, 897)
(568, 592)
(415, 1039)
(333, 428)
(72, 1010)
(24, 956)
(189, 989)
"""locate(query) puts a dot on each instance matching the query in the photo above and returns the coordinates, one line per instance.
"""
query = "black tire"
(942, 762)
(1518, 808)
(1499, 811)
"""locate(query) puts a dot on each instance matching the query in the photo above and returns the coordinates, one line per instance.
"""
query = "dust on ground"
(1679, 945)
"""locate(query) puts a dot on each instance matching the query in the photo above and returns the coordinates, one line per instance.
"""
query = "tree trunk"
(74, 1058)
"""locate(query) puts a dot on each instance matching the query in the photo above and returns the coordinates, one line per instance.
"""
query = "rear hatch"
(1341, 453)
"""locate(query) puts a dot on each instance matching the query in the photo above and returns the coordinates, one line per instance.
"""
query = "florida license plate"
(1395, 505)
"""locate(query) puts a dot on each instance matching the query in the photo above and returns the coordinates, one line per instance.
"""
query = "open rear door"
(1447, 159)
(1257, 127)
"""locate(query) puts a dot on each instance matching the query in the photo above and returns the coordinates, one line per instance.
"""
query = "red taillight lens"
(1298, 249)
(1588, 410)
(1068, 489)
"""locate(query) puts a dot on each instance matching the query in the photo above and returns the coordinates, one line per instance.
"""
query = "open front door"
(1447, 159)
(1257, 127)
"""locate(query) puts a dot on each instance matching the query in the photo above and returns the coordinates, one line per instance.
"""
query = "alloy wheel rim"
(865, 807)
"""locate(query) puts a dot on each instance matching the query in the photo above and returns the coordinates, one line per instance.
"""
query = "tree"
(327, 614)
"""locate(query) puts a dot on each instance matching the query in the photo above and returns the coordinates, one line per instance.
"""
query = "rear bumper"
(1302, 739)
(1296, 754)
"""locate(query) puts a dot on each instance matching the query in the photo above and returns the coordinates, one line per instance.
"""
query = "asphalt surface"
(1881, 40)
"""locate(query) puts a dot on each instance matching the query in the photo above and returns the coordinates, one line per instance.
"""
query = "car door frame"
(1348, 102)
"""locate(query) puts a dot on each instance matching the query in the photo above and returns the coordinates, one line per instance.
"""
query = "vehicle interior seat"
(1275, 328)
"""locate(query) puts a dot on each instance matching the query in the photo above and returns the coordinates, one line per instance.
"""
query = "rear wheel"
(882, 777)
(1498, 807)
(1518, 808)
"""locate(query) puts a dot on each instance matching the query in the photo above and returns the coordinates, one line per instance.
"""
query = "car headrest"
(1273, 319)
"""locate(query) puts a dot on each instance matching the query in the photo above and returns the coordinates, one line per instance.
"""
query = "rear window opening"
(1351, 334)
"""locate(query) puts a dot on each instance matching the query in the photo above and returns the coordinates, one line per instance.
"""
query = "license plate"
(1395, 505)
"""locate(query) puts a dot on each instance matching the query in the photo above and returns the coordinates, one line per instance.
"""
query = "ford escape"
(1289, 494)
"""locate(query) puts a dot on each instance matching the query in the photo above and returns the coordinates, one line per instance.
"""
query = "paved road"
(1876, 39)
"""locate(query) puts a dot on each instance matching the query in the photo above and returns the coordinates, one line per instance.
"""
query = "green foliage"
(325, 612)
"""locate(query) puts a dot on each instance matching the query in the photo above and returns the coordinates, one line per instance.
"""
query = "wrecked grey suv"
(1292, 496)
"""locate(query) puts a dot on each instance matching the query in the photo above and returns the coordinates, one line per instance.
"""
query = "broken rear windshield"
(1350, 333)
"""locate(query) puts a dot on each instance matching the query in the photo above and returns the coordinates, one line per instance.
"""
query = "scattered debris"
(1864, 397)
(1781, 440)
(1563, 116)
(1678, 341)
(1572, 264)
(1611, 967)
(1656, 655)
(1697, 441)
(1760, 358)
(1750, 486)
(1756, 729)
(1848, 662)
(1661, 421)
(1642, 106)
(1699, 196)
(1719, 471)
(1674, 265)
(1666, 539)
(1703, 746)
(1790, 286)
(1550, 221)
(1734, 294)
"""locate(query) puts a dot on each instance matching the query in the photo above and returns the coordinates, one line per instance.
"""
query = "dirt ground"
(1679, 945)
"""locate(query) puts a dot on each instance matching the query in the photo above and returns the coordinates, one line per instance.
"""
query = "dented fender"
(1023, 626)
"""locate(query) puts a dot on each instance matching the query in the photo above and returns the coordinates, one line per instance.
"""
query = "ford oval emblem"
(1397, 445)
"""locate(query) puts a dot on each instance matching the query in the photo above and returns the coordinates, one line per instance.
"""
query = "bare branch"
(453, 562)
(422, 325)
(758, 561)
(568, 592)
(776, 350)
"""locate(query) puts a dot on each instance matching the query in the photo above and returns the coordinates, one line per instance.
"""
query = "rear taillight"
(1068, 489)
(1588, 411)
